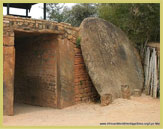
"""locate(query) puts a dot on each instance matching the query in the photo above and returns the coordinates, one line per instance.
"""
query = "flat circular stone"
(110, 57)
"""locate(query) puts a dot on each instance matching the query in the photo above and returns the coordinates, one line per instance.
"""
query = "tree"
(55, 12)
(74, 16)
(141, 22)
(80, 11)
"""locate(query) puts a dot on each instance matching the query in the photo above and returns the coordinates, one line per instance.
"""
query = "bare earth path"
(138, 109)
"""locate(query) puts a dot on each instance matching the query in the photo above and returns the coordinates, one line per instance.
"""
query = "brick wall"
(35, 69)
(47, 67)
(83, 86)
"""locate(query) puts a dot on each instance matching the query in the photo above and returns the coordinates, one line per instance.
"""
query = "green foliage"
(78, 40)
(141, 22)
(54, 11)
(60, 13)
(80, 11)
(81, 82)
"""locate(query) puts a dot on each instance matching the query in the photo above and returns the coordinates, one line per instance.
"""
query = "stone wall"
(42, 58)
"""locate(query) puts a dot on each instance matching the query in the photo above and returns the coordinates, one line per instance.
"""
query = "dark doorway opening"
(35, 80)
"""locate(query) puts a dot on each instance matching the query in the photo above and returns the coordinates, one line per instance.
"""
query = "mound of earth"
(111, 59)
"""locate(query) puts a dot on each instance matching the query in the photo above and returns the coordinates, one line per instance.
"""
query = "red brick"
(9, 41)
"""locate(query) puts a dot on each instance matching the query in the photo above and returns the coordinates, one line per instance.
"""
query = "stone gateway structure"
(43, 63)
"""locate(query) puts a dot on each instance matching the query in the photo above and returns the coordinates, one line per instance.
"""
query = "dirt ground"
(137, 109)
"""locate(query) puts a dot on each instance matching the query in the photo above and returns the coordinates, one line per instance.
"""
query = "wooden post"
(149, 75)
(8, 9)
(155, 81)
(151, 72)
(158, 71)
(44, 11)
(26, 12)
(146, 68)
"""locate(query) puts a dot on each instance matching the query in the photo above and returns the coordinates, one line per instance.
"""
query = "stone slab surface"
(110, 57)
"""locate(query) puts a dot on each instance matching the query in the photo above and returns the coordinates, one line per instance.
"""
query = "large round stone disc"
(110, 57)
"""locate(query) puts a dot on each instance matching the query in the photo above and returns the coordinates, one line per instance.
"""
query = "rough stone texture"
(137, 93)
(106, 99)
(49, 68)
(111, 59)
(125, 89)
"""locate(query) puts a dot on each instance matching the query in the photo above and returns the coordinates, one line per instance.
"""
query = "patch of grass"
(81, 82)
(78, 40)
